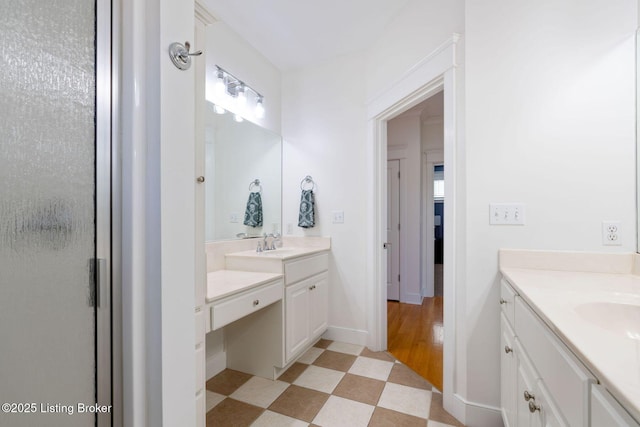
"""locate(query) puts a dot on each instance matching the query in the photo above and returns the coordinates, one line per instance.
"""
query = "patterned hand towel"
(253, 213)
(306, 218)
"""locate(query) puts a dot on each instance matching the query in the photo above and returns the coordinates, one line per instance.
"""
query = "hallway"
(415, 336)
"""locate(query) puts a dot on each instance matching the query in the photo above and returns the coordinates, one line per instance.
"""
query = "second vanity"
(273, 305)
(570, 339)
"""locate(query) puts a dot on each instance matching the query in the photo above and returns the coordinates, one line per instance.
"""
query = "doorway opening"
(415, 196)
(436, 72)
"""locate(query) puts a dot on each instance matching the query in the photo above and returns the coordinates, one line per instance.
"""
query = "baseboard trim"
(215, 364)
(477, 414)
(411, 298)
(346, 335)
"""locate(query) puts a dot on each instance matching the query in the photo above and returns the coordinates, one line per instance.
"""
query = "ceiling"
(294, 33)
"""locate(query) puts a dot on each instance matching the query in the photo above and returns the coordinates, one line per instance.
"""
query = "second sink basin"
(616, 317)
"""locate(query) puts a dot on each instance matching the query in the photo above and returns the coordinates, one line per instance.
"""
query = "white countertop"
(584, 310)
(223, 283)
(283, 254)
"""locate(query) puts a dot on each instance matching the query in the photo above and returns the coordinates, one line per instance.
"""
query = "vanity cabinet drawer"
(297, 270)
(564, 376)
(507, 300)
(230, 309)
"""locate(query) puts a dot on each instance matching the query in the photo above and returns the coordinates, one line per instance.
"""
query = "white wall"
(432, 134)
(432, 151)
(324, 136)
(403, 142)
(416, 31)
(549, 123)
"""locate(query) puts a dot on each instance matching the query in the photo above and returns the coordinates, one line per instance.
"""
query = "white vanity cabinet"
(306, 313)
(606, 411)
(293, 284)
(306, 302)
(543, 384)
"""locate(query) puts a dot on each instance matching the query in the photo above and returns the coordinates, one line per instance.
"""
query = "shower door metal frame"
(108, 229)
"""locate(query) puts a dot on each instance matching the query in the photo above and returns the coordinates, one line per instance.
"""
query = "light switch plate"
(338, 217)
(234, 217)
(506, 214)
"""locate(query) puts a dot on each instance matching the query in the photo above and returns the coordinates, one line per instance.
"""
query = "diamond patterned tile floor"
(334, 384)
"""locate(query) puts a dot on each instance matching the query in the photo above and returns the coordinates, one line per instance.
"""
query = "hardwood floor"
(415, 336)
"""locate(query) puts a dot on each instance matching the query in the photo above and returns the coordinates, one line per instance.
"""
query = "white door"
(54, 222)
(393, 229)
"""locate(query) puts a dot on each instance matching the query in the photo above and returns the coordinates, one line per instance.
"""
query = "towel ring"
(307, 180)
(255, 183)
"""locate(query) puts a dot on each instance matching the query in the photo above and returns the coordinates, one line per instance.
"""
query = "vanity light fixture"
(227, 83)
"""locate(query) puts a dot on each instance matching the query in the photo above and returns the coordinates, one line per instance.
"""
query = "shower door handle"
(98, 270)
(386, 245)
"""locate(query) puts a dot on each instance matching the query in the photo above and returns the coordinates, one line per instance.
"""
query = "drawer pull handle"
(503, 301)
(508, 350)
(256, 302)
(312, 287)
(533, 407)
(528, 396)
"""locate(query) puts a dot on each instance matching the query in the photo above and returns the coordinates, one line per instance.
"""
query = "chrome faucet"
(266, 243)
(277, 240)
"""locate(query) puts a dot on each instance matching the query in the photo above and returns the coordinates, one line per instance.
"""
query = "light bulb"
(238, 118)
(260, 108)
(242, 95)
(219, 110)
(219, 85)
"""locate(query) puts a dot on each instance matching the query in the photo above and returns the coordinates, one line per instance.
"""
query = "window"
(438, 182)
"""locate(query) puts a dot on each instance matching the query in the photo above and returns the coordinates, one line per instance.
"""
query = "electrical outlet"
(611, 233)
(234, 217)
(506, 214)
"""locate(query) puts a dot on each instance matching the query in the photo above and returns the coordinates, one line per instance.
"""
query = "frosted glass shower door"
(47, 212)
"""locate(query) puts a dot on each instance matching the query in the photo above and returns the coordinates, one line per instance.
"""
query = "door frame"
(400, 158)
(436, 72)
(108, 229)
(430, 158)
(155, 136)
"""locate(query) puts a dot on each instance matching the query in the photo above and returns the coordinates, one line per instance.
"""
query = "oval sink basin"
(619, 318)
(279, 251)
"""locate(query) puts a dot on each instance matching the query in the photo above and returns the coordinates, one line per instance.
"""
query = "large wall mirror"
(638, 140)
(236, 155)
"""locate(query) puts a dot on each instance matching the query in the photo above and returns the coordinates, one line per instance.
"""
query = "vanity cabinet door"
(306, 312)
(525, 384)
(606, 411)
(508, 372)
(319, 300)
(297, 317)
